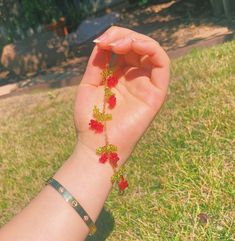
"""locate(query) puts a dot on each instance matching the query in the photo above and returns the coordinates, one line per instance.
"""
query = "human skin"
(142, 67)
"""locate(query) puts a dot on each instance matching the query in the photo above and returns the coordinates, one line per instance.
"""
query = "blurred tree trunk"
(229, 8)
(217, 6)
(226, 7)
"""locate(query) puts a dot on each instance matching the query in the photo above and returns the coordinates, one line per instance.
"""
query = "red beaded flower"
(112, 81)
(112, 101)
(113, 158)
(103, 158)
(123, 184)
(96, 126)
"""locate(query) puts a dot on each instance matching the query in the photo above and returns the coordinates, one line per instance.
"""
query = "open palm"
(142, 68)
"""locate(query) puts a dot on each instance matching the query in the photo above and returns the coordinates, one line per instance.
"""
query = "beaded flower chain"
(108, 152)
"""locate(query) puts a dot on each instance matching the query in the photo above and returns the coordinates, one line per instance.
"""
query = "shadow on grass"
(105, 225)
(162, 23)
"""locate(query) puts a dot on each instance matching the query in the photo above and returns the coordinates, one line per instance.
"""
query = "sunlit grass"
(182, 173)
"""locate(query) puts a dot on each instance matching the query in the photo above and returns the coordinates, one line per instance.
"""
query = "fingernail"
(112, 44)
(96, 40)
(100, 39)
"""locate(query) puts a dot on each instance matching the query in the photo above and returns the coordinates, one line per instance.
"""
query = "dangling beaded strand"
(108, 152)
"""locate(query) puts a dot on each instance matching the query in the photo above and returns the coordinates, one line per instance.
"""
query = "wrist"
(86, 160)
(103, 164)
(86, 145)
(87, 180)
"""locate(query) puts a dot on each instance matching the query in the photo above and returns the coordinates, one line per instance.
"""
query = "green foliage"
(143, 2)
(40, 12)
(34, 14)
(139, 2)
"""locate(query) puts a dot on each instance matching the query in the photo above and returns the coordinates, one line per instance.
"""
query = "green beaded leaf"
(96, 112)
(117, 175)
(107, 117)
(106, 73)
(107, 93)
(111, 148)
(99, 116)
(101, 150)
(106, 149)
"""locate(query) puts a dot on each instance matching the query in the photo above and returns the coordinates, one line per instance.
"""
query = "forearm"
(49, 217)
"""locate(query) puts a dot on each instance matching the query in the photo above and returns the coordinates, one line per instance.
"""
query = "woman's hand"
(143, 72)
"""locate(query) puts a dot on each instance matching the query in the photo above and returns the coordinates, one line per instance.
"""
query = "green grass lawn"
(181, 174)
